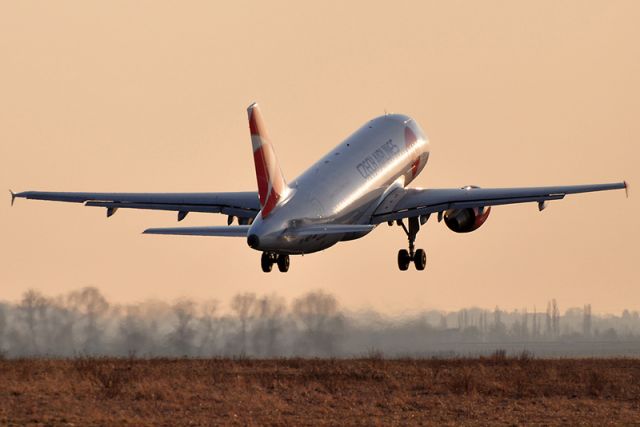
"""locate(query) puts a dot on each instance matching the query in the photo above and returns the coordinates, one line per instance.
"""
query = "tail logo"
(271, 183)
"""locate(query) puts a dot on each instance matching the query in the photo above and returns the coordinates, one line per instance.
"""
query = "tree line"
(84, 322)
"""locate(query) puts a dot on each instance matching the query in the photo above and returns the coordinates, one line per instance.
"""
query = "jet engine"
(466, 220)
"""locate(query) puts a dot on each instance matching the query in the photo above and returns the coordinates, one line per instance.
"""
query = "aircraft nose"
(253, 241)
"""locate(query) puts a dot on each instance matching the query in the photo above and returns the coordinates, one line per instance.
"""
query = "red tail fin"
(271, 183)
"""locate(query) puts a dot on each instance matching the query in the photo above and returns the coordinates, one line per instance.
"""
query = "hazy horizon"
(151, 96)
(84, 322)
(223, 306)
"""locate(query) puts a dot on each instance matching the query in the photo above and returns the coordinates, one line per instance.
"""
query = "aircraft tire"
(283, 263)
(420, 259)
(403, 259)
(266, 262)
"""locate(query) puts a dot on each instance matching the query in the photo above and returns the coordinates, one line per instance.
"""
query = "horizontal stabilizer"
(220, 231)
(330, 229)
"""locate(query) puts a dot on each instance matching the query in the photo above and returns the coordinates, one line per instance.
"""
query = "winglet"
(13, 197)
(626, 189)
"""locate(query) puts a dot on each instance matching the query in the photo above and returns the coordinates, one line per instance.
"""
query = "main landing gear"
(270, 258)
(419, 257)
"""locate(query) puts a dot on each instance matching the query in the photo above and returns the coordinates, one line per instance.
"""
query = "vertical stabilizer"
(271, 183)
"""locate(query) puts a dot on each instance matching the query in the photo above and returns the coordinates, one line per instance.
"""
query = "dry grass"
(371, 391)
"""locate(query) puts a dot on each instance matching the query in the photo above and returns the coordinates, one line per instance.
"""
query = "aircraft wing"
(411, 202)
(239, 204)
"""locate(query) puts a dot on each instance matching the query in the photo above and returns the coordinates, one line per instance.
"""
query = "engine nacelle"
(466, 220)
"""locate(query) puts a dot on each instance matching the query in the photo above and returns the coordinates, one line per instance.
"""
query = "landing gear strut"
(419, 257)
(269, 258)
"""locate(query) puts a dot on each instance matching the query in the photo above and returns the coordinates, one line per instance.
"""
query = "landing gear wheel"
(283, 263)
(420, 259)
(403, 259)
(266, 262)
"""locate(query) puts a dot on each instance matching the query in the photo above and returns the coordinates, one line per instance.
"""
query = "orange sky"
(151, 96)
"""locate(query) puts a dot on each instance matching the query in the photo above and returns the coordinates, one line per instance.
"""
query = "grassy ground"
(372, 391)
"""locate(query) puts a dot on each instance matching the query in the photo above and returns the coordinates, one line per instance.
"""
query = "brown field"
(371, 391)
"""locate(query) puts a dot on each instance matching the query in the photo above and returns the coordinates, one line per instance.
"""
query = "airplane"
(358, 185)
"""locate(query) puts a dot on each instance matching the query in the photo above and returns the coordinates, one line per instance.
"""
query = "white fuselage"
(346, 185)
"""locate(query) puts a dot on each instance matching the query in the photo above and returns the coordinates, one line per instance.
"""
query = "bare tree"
(3, 327)
(181, 338)
(443, 322)
(133, 333)
(548, 327)
(586, 321)
(243, 305)
(59, 327)
(463, 320)
(208, 327)
(270, 313)
(321, 322)
(498, 329)
(555, 315)
(31, 309)
(92, 306)
(535, 324)
(484, 327)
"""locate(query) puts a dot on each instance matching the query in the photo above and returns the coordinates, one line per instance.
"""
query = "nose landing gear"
(419, 257)
(269, 258)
